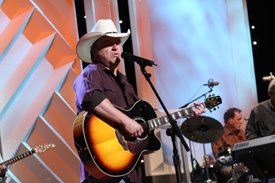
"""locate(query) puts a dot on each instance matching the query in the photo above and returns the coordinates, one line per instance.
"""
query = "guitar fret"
(185, 111)
(156, 123)
(150, 124)
(173, 116)
(179, 114)
(159, 122)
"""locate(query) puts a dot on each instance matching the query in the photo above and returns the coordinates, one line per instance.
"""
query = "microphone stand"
(203, 95)
(175, 129)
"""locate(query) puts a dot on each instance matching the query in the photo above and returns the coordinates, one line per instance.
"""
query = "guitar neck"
(17, 158)
(185, 112)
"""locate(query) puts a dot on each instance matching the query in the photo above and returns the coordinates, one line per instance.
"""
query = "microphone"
(268, 78)
(141, 61)
(211, 83)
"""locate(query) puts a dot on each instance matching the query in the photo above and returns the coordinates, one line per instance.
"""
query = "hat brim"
(85, 42)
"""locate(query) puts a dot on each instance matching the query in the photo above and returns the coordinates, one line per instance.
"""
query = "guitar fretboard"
(17, 158)
(185, 112)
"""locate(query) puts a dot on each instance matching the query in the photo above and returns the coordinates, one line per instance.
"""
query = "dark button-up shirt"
(96, 82)
(261, 121)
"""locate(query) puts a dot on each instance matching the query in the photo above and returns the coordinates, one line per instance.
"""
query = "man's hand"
(132, 128)
(198, 109)
(3, 170)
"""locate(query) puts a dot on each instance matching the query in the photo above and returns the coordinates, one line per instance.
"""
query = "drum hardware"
(206, 166)
(233, 171)
(245, 177)
(202, 129)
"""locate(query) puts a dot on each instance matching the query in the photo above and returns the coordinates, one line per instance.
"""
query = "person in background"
(261, 121)
(101, 85)
(233, 133)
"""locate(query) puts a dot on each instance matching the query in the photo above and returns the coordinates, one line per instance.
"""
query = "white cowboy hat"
(103, 27)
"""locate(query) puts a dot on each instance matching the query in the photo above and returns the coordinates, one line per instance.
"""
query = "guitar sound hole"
(145, 130)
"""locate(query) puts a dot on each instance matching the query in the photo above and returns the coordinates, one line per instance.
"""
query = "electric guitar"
(106, 153)
(37, 149)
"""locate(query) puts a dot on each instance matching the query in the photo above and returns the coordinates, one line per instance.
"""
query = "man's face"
(237, 120)
(107, 50)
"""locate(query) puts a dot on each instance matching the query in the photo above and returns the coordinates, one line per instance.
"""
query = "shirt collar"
(230, 130)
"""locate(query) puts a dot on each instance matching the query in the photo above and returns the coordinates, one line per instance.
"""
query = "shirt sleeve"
(92, 99)
(88, 90)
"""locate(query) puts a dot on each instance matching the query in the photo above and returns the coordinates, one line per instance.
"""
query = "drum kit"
(224, 169)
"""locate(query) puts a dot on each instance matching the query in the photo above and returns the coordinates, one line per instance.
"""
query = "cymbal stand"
(192, 162)
(206, 165)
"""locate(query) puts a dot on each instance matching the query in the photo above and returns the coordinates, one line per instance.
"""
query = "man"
(233, 133)
(100, 85)
(261, 121)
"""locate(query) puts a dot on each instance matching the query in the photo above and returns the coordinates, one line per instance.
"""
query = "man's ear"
(229, 121)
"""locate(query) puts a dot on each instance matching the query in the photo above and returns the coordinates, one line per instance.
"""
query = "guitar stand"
(175, 127)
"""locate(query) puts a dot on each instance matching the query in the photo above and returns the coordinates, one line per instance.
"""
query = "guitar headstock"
(212, 101)
(43, 148)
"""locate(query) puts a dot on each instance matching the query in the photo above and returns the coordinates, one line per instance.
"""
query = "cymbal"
(202, 129)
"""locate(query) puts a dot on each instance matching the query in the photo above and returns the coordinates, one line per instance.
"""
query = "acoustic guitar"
(106, 153)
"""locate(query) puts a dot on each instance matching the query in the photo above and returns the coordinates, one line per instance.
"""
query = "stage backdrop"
(37, 67)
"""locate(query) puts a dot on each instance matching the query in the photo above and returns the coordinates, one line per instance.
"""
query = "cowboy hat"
(103, 27)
